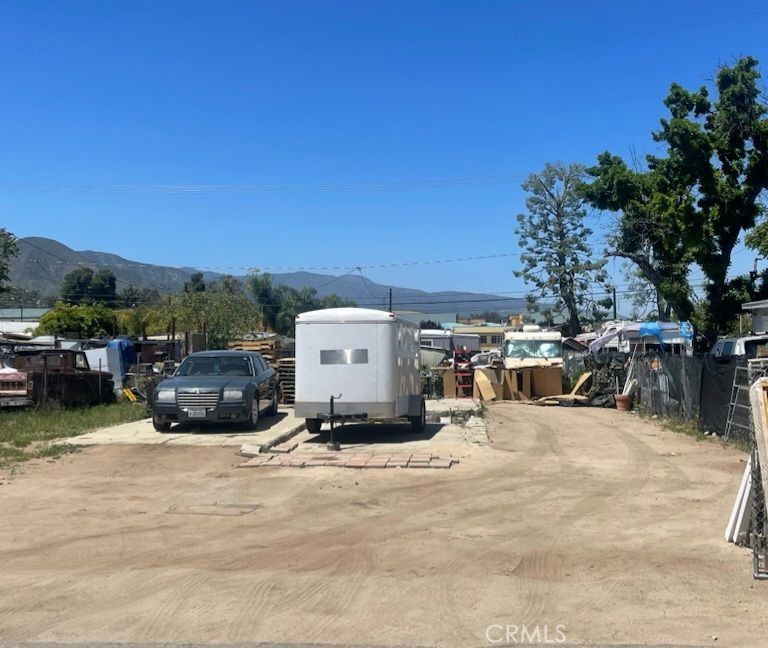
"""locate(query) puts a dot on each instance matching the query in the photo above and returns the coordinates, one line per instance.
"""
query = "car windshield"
(533, 349)
(215, 366)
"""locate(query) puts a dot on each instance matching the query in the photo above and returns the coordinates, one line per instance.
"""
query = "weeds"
(27, 434)
(691, 429)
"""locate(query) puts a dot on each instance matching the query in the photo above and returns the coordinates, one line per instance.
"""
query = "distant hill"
(42, 263)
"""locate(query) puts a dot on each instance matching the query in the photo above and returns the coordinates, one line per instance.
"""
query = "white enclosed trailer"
(368, 360)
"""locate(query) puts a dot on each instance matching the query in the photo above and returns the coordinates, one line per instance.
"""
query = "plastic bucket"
(623, 403)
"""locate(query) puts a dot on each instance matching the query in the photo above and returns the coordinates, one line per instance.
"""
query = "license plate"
(196, 413)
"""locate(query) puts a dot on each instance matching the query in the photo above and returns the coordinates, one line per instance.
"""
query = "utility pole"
(615, 315)
(390, 300)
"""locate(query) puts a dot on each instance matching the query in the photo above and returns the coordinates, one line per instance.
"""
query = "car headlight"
(233, 395)
(165, 395)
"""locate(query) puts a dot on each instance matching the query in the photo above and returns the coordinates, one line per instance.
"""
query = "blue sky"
(331, 93)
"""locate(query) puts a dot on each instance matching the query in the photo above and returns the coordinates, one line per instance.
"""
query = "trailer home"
(368, 360)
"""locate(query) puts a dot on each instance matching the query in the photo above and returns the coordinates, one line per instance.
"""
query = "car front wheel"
(273, 407)
(253, 414)
(160, 426)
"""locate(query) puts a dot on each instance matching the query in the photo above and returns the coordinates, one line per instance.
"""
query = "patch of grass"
(9, 455)
(54, 450)
(26, 434)
(689, 428)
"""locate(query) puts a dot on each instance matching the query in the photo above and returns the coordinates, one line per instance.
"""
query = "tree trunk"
(682, 307)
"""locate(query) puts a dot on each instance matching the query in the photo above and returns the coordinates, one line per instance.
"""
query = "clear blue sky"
(311, 93)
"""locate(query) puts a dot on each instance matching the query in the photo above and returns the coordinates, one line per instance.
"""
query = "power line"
(350, 268)
(224, 188)
(417, 303)
(76, 263)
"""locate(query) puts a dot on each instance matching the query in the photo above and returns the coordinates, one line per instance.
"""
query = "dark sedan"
(216, 387)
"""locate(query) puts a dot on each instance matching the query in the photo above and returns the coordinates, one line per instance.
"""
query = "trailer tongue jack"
(332, 444)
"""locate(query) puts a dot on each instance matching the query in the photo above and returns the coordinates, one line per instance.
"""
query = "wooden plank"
(568, 397)
(449, 384)
(741, 530)
(581, 382)
(758, 397)
(484, 386)
(730, 528)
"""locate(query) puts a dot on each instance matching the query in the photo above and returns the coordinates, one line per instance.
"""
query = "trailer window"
(343, 356)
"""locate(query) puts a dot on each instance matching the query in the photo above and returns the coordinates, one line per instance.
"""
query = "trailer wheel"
(313, 425)
(418, 423)
(161, 426)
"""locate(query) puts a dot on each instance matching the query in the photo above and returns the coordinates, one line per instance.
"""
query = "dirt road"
(588, 519)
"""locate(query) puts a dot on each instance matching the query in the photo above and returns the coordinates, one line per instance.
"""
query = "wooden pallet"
(270, 349)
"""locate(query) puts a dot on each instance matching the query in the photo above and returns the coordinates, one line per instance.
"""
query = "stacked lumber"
(271, 348)
(286, 373)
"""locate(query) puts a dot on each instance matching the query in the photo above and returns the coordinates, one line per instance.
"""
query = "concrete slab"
(445, 405)
(272, 430)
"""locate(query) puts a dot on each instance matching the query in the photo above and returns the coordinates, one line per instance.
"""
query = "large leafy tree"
(84, 286)
(76, 287)
(279, 305)
(196, 283)
(133, 296)
(103, 288)
(557, 258)
(81, 320)
(8, 249)
(692, 204)
(220, 313)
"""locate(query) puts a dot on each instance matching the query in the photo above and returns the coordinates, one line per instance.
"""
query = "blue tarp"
(127, 353)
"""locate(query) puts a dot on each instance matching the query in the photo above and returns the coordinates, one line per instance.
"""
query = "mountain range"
(41, 264)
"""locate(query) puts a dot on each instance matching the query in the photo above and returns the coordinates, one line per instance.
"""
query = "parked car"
(744, 345)
(216, 387)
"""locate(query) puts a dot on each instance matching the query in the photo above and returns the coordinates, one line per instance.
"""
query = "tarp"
(127, 353)
(664, 332)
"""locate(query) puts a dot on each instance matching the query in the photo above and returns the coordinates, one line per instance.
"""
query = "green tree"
(557, 257)
(268, 299)
(692, 205)
(489, 316)
(430, 325)
(103, 289)
(227, 283)
(8, 249)
(645, 300)
(196, 283)
(149, 319)
(81, 320)
(222, 314)
(76, 287)
(132, 296)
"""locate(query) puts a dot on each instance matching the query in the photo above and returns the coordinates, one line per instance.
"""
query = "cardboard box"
(546, 381)
(449, 383)
(516, 384)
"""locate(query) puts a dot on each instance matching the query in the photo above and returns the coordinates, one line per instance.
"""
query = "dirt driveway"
(588, 519)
